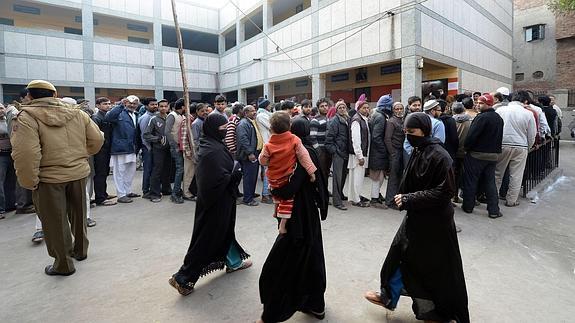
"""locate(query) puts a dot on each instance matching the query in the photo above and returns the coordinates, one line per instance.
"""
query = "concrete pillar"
(158, 57)
(242, 96)
(221, 44)
(88, 50)
(317, 87)
(268, 15)
(410, 77)
(269, 92)
(240, 32)
(2, 94)
(561, 98)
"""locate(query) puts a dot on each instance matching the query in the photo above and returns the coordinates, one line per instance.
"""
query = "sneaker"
(38, 236)
(252, 203)
(176, 199)
(155, 199)
(125, 199)
(90, 223)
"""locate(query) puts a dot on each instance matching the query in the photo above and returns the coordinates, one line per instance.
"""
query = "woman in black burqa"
(424, 261)
(293, 277)
(213, 244)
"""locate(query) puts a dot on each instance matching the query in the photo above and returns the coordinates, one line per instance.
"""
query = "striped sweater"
(318, 130)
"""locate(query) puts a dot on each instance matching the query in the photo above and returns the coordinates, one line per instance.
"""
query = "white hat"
(132, 98)
(69, 100)
(430, 105)
(503, 90)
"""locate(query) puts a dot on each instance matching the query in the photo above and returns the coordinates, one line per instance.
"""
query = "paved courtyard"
(519, 268)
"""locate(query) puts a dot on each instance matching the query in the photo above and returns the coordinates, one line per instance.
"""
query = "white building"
(336, 48)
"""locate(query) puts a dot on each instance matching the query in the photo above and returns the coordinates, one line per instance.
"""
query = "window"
(361, 75)
(78, 19)
(6, 21)
(74, 31)
(136, 27)
(535, 32)
(138, 40)
(537, 74)
(519, 76)
(26, 9)
(193, 40)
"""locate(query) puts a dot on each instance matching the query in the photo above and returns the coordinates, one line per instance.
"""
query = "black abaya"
(425, 248)
(293, 277)
(215, 215)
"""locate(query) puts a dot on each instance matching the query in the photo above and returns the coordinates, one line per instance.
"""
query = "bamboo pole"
(184, 75)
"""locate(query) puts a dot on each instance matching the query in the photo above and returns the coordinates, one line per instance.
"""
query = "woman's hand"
(397, 199)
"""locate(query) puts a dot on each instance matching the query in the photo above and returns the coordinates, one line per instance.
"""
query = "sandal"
(107, 203)
(245, 264)
(374, 298)
(516, 203)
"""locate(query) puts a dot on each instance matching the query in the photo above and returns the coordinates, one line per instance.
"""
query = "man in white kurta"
(358, 160)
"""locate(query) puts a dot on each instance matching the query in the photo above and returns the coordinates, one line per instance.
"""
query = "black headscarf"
(419, 120)
(211, 125)
(300, 128)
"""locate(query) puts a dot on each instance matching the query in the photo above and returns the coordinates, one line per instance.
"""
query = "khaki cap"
(41, 84)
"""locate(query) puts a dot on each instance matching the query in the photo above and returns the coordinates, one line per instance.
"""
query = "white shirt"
(543, 125)
(356, 143)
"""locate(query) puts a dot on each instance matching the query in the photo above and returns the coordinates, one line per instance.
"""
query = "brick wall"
(565, 63)
(565, 26)
(527, 4)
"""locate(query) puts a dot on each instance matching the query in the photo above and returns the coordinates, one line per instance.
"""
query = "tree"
(562, 6)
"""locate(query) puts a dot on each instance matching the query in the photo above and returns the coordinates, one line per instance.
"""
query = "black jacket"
(154, 133)
(551, 116)
(451, 138)
(100, 119)
(378, 156)
(337, 137)
(485, 133)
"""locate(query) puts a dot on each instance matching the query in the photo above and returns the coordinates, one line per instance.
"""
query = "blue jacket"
(246, 138)
(124, 133)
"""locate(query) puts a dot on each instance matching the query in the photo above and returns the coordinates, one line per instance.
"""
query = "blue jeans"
(233, 257)
(265, 189)
(179, 161)
(148, 166)
(7, 183)
(250, 178)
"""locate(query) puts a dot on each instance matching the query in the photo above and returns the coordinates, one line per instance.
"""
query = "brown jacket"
(51, 143)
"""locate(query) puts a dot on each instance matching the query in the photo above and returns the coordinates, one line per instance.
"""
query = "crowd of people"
(434, 152)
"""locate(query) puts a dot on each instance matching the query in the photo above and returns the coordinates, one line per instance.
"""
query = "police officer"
(51, 144)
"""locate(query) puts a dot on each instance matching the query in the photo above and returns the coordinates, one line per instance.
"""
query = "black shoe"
(26, 210)
(256, 195)
(360, 204)
(495, 216)
(146, 195)
(363, 199)
(467, 211)
(132, 195)
(377, 203)
(79, 258)
(190, 198)
(166, 193)
(184, 290)
(317, 315)
(177, 199)
(49, 270)
(155, 198)
(341, 207)
(502, 197)
(125, 199)
(344, 198)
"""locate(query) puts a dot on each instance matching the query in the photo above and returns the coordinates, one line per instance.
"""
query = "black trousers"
(474, 170)
(160, 180)
(395, 173)
(101, 172)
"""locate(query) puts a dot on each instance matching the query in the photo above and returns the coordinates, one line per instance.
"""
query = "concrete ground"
(519, 268)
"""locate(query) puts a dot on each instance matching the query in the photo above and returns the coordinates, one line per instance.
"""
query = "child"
(279, 154)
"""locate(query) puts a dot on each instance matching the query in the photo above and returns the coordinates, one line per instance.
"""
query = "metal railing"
(541, 161)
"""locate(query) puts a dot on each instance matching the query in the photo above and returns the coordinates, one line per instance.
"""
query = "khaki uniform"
(51, 143)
